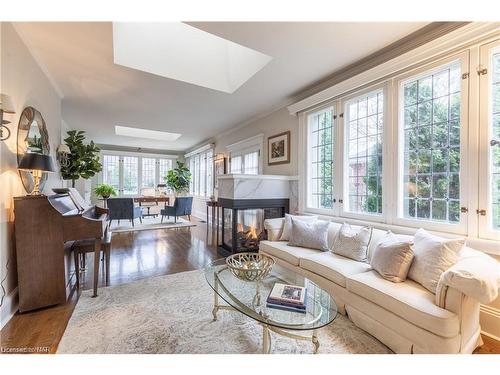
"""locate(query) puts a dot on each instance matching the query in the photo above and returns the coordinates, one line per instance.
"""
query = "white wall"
(27, 85)
(275, 123)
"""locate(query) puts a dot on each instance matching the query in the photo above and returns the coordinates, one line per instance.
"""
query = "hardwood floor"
(134, 256)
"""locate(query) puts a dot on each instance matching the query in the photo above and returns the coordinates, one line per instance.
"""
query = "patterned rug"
(172, 314)
(149, 223)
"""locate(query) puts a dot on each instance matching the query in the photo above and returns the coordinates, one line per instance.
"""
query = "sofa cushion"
(409, 300)
(287, 226)
(311, 235)
(353, 242)
(333, 267)
(433, 256)
(281, 250)
(392, 258)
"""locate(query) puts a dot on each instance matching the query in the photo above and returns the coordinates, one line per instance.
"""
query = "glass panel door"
(489, 170)
(130, 175)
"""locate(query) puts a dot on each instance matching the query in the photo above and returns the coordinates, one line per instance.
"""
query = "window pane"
(495, 135)
(196, 175)
(191, 169)
(148, 172)
(203, 173)
(251, 163)
(236, 165)
(130, 175)
(321, 134)
(432, 146)
(164, 166)
(365, 150)
(210, 171)
(111, 171)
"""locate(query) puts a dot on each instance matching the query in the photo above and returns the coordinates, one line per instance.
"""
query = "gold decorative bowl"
(250, 266)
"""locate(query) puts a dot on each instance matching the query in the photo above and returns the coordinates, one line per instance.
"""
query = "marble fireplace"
(247, 200)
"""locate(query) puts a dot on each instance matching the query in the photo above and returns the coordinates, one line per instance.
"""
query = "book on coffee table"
(287, 296)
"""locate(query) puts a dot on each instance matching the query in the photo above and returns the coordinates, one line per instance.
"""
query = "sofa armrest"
(476, 275)
(274, 227)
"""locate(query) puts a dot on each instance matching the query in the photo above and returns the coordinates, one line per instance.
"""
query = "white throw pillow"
(352, 243)
(433, 256)
(287, 227)
(392, 257)
(311, 235)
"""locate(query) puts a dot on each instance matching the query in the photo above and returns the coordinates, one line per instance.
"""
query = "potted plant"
(104, 191)
(83, 159)
(178, 178)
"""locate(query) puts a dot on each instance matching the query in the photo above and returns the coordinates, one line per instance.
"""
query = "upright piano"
(45, 228)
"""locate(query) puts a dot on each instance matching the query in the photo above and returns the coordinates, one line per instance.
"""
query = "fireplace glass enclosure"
(243, 226)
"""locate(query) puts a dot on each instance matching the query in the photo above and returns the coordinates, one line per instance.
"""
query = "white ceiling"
(98, 95)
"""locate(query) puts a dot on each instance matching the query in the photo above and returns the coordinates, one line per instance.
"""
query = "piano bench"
(80, 247)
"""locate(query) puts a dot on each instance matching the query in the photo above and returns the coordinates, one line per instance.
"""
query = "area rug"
(149, 223)
(172, 314)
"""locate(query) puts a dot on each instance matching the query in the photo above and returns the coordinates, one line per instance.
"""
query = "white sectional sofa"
(404, 316)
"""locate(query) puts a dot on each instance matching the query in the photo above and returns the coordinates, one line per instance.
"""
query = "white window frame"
(484, 221)
(386, 164)
(140, 156)
(196, 189)
(252, 144)
(308, 169)
(460, 227)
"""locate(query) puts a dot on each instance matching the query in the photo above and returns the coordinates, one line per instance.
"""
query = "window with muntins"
(130, 175)
(148, 172)
(111, 171)
(495, 140)
(430, 122)
(364, 124)
(321, 166)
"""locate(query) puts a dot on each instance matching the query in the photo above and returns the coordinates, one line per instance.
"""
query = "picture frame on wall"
(278, 148)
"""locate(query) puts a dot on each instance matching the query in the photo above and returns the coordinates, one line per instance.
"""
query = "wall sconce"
(62, 155)
(6, 106)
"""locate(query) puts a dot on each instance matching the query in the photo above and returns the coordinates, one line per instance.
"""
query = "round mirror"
(32, 137)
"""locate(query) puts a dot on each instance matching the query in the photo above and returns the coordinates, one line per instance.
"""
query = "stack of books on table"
(287, 297)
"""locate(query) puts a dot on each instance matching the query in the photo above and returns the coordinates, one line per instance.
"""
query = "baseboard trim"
(9, 307)
(490, 322)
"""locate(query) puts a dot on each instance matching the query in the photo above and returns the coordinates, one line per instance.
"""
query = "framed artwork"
(219, 168)
(278, 149)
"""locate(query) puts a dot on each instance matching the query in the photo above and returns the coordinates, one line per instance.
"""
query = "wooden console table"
(152, 199)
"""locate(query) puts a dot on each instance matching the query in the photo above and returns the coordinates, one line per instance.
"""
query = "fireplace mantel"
(241, 186)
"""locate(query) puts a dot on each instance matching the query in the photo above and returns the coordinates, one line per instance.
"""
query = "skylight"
(184, 53)
(146, 133)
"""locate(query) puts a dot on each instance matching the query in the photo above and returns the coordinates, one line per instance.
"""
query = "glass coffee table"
(249, 298)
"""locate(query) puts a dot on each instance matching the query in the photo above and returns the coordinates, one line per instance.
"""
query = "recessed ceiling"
(146, 133)
(182, 52)
(99, 94)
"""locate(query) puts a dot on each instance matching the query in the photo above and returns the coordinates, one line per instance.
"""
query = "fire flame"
(252, 233)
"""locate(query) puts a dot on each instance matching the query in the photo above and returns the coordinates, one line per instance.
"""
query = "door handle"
(494, 142)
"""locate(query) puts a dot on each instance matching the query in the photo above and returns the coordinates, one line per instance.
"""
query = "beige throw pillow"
(287, 227)
(352, 242)
(392, 258)
(433, 256)
(310, 235)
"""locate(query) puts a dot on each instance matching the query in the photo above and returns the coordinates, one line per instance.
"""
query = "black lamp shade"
(38, 162)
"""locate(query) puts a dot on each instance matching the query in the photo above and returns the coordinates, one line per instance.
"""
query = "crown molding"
(454, 40)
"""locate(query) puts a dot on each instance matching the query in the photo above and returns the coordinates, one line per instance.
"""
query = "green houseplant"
(83, 161)
(178, 178)
(104, 191)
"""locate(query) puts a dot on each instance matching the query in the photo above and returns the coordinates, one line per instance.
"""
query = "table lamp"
(36, 164)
